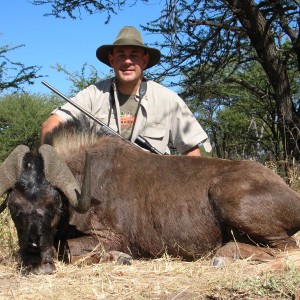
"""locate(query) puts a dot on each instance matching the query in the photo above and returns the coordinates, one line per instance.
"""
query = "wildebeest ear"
(60, 176)
(10, 169)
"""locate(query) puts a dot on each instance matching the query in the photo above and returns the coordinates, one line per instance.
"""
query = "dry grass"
(163, 278)
(156, 279)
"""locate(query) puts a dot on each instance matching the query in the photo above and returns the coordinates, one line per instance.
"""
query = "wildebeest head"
(34, 182)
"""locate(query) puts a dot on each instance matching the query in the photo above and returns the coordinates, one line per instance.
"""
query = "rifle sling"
(142, 92)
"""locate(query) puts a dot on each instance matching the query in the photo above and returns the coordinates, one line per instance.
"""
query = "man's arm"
(195, 151)
(49, 125)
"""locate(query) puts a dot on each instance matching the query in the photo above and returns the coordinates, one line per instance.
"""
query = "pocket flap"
(156, 131)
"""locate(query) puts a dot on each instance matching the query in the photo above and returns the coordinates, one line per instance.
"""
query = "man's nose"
(128, 61)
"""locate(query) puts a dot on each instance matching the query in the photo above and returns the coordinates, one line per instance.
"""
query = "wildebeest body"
(184, 205)
(147, 205)
(130, 197)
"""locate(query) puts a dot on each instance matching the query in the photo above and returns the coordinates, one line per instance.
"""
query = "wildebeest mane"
(74, 134)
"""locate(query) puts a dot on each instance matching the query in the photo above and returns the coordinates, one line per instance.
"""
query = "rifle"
(140, 142)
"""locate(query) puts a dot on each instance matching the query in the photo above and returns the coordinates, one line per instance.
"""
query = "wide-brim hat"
(128, 36)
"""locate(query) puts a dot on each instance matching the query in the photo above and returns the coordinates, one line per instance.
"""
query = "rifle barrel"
(142, 143)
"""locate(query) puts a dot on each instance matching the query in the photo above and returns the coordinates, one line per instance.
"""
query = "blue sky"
(70, 43)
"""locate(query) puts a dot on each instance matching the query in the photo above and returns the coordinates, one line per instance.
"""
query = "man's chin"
(128, 78)
(128, 75)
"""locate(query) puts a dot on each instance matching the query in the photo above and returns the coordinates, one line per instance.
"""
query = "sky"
(71, 43)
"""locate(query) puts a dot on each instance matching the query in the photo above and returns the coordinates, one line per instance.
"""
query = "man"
(132, 105)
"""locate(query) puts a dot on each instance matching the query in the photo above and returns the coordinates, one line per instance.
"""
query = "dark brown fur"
(185, 206)
(146, 204)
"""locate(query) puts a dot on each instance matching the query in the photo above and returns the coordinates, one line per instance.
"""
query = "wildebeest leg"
(91, 250)
(235, 250)
(263, 208)
(281, 241)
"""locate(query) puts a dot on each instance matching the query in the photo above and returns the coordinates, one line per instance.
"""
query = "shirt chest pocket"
(155, 131)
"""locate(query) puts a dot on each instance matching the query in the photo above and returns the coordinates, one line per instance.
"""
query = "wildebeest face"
(35, 210)
(36, 222)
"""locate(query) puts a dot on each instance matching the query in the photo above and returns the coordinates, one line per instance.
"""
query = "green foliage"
(81, 79)
(21, 117)
(223, 40)
(74, 8)
(241, 120)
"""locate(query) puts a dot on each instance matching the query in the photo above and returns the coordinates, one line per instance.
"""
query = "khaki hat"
(128, 36)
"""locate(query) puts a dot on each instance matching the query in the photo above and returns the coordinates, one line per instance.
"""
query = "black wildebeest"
(142, 204)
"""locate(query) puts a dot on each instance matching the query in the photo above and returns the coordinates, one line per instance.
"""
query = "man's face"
(128, 63)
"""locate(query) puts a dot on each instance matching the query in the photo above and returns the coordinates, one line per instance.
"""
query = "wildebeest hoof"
(120, 258)
(219, 261)
(124, 259)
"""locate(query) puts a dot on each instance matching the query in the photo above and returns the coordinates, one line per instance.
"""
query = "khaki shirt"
(162, 115)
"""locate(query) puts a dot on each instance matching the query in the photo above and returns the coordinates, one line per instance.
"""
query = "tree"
(223, 32)
(240, 124)
(81, 79)
(233, 32)
(21, 117)
(14, 74)
(73, 8)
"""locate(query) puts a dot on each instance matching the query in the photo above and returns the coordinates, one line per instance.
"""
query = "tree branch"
(219, 25)
(249, 87)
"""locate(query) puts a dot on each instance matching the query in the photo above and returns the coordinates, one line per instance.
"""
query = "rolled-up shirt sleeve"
(186, 130)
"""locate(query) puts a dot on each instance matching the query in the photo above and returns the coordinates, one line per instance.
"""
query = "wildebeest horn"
(59, 175)
(11, 168)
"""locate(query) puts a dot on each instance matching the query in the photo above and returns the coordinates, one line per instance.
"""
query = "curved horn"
(59, 175)
(10, 169)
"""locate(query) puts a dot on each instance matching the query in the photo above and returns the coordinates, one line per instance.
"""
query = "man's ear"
(146, 60)
(110, 59)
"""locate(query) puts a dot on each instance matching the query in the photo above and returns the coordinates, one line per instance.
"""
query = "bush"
(21, 117)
